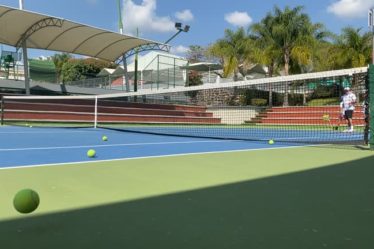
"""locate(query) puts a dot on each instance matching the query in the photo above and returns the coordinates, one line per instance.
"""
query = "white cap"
(347, 89)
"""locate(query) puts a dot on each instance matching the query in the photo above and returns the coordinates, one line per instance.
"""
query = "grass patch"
(323, 102)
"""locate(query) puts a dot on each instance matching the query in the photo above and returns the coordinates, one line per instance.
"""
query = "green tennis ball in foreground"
(26, 201)
(105, 138)
(91, 153)
(271, 141)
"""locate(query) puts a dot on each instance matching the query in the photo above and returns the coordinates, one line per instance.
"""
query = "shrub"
(322, 102)
(259, 102)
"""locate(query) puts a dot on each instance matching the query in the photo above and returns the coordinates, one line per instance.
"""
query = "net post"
(371, 105)
(95, 118)
(2, 110)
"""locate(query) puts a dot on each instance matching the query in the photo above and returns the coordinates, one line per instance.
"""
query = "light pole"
(178, 26)
(180, 29)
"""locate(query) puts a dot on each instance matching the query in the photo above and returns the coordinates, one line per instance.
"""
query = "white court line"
(116, 145)
(41, 132)
(149, 157)
(316, 139)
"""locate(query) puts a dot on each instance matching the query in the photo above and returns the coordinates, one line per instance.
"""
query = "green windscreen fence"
(371, 104)
(42, 70)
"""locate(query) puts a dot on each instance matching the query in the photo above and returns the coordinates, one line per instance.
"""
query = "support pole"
(371, 25)
(126, 74)
(124, 60)
(2, 110)
(371, 105)
(25, 60)
(136, 66)
(95, 118)
(26, 68)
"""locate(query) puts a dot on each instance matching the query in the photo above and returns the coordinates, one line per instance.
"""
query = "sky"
(208, 18)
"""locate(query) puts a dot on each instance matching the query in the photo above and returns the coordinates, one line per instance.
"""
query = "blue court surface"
(23, 146)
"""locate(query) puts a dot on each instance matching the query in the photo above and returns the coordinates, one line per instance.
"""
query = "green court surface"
(283, 198)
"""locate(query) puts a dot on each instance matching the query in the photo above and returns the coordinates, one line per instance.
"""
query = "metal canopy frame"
(32, 30)
(145, 48)
(92, 41)
(47, 22)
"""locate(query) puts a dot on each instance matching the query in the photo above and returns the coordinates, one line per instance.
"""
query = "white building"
(155, 70)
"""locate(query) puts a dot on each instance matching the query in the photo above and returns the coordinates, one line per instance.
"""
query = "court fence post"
(95, 118)
(2, 110)
(371, 105)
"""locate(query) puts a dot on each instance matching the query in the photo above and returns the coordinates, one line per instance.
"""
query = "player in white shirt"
(347, 106)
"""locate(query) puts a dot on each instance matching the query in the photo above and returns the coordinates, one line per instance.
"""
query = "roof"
(57, 34)
(257, 68)
(106, 72)
(203, 66)
(148, 61)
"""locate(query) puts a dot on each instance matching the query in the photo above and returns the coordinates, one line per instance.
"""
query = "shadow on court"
(331, 207)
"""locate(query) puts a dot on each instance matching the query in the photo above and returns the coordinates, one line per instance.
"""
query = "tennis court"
(182, 192)
(191, 168)
(271, 163)
(38, 146)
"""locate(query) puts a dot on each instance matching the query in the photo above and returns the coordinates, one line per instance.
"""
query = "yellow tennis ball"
(271, 141)
(326, 117)
(26, 201)
(91, 153)
(105, 138)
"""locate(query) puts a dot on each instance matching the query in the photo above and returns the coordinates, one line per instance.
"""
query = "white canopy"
(105, 72)
(57, 34)
(203, 66)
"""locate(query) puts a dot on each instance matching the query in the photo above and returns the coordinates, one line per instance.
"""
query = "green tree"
(73, 70)
(285, 37)
(295, 35)
(79, 69)
(324, 57)
(196, 53)
(352, 48)
(264, 49)
(59, 60)
(233, 51)
(194, 78)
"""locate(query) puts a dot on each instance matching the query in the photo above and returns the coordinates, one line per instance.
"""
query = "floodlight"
(186, 28)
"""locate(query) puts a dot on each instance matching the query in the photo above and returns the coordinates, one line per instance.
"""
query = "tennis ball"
(91, 153)
(26, 201)
(105, 138)
(271, 141)
(326, 117)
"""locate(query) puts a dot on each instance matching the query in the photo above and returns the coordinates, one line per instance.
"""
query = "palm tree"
(264, 50)
(324, 57)
(353, 49)
(295, 35)
(59, 60)
(232, 50)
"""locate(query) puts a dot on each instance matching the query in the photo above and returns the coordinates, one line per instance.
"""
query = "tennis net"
(302, 108)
